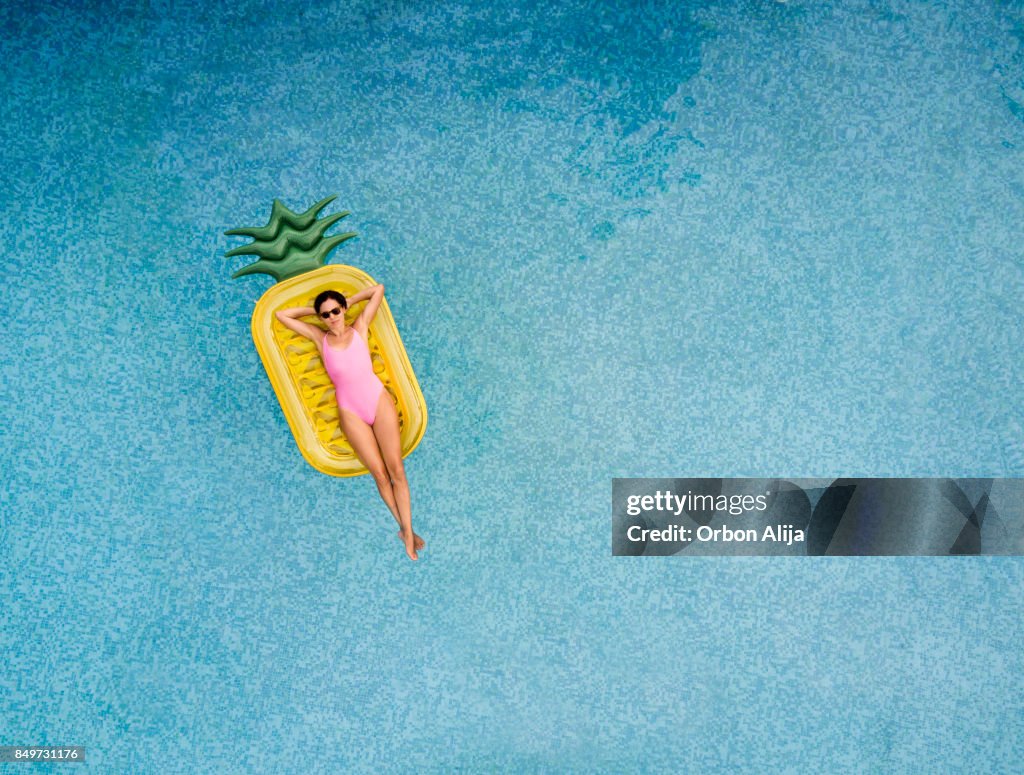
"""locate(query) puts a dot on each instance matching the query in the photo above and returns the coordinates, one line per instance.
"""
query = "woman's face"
(333, 314)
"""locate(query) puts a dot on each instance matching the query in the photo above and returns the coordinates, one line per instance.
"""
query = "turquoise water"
(734, 239)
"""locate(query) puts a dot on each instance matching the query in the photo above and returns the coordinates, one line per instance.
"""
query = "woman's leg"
(361, 438)
(385, 428)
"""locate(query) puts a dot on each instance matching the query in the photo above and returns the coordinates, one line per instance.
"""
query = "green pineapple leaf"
(291, 243)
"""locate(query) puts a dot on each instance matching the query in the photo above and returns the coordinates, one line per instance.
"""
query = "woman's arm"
(375, 294)
(364, 294)
(289, 318)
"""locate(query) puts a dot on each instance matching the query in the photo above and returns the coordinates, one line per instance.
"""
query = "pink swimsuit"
(356, 387)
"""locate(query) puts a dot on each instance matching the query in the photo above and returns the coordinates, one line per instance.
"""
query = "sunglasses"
(330, 313)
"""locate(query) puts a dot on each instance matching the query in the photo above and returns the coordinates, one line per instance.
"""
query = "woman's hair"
(324, 296)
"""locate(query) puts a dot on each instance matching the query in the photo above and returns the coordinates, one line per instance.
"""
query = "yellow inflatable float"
(292, 248)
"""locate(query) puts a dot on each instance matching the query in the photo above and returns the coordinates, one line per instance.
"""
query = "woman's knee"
(397, 472)
(380, 475)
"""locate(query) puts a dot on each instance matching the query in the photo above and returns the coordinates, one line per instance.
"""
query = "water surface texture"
(619, 240)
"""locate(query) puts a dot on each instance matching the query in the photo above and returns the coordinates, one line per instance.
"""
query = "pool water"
(720, 239)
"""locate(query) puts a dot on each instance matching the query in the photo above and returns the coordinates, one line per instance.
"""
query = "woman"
(367, 414)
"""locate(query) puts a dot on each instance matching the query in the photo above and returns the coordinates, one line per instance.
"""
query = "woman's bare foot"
(410, 546)
(418, 542)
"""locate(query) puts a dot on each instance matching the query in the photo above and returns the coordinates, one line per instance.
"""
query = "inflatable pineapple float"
(292, 248)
